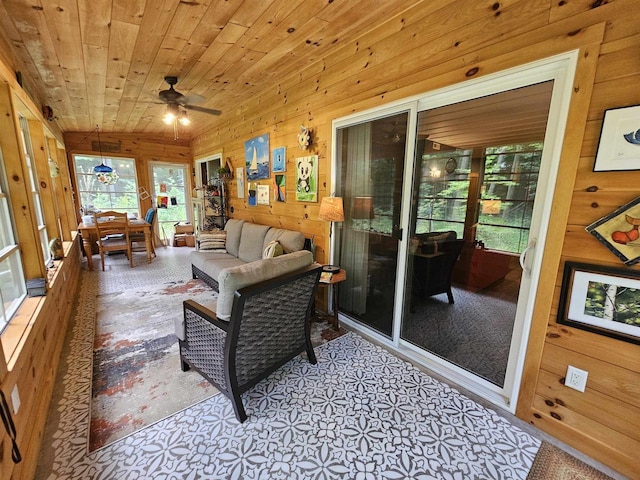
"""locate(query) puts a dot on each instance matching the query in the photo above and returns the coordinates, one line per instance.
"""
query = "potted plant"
(224, 172)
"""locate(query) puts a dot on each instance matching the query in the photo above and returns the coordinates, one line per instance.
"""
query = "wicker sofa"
(241, 262)
(269, 326)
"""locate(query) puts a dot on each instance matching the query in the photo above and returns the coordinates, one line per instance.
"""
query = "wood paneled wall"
(34, 369)
(144, 148)
(441, 43)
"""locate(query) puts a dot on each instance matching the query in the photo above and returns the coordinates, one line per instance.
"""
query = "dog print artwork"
(307, 179)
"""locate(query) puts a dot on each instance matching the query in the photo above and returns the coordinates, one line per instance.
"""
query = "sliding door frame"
(559, 68)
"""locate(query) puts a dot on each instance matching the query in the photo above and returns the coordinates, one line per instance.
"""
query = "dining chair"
(138, 237)
(113, 234)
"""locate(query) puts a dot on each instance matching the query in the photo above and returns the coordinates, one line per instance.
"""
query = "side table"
(334, 283)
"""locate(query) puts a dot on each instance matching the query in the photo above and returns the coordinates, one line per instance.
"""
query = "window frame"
(9, 252)
(110, 161)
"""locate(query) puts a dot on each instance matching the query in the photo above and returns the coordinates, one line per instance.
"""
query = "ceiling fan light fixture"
(183, 118)
(171, 114)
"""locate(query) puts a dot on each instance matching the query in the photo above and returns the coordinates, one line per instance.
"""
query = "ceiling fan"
(175, 99)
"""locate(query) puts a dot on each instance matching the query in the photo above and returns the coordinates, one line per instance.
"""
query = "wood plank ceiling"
(102, 62)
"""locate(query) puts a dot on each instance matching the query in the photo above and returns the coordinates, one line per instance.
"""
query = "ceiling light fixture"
(175, 115)
(106, 175)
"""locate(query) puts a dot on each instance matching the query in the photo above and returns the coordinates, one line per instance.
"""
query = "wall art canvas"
(240, 181)
(619, 232)
(253, 194)
(263, 194)
(619, 146)
(256, 154)
(279, 188)
(279, 159)
(602, 300)
(307, 179)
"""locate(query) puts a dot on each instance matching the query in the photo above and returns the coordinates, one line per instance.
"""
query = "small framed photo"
(602, 300)
(619, 232)
(263, 194)
(307, 179)
(619, 146)
(279, 160)
(240, 181)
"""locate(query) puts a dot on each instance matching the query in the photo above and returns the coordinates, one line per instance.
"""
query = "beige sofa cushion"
(291, 241)
(251, 242)
(231, 279)
(233, 228)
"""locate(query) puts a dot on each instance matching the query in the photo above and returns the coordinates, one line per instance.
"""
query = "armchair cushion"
(252, 242)
(233, 228)
(231, 279)
(290, 240)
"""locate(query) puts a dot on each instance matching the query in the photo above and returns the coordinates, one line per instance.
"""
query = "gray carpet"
(473, 333)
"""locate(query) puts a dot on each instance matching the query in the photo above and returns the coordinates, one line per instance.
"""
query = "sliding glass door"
(371, 159)
(477, 169)
(447, 202)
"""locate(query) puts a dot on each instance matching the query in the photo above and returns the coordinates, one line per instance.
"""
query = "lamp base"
(330, 268)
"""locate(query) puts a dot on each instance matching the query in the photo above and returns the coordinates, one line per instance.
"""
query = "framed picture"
(240, 181)
(256, 155)
(307, 179)
(279, 160)
(263, 194)
(619, 146)
(602, 300)
(618, 231)
(279, 188)
(253, 195)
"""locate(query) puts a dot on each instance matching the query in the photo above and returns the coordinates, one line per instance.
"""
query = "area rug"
(551, 463)
(137, 378)
(359, 413)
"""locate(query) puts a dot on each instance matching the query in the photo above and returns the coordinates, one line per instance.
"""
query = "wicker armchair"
(269, 326)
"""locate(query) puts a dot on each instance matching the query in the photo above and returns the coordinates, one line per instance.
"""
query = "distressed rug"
(137, 378)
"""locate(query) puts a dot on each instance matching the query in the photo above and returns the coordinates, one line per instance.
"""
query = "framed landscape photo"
(619, 232)
(602, 300)
(619, 146)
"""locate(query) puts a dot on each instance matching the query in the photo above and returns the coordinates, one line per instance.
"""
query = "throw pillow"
(273, 249)
(214, 241)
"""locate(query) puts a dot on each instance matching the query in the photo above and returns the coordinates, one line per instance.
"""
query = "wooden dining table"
(136, 225)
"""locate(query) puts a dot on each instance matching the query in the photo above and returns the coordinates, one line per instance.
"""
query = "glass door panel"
(370, 163)
(170, 186)
(477, 166)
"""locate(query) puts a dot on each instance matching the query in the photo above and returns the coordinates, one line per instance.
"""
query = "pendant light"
(106, 175)
(102, 168)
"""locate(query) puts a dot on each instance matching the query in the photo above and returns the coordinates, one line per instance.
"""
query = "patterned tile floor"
(360, 413)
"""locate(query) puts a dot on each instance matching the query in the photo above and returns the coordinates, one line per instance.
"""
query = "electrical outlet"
(576, 378)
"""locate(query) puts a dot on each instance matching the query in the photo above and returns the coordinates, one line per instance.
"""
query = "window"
(507, 195)
(96, 194)
(34, 187)
(443, 191)
(12, 283)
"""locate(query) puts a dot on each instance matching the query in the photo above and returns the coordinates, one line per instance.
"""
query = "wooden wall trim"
(571, 146)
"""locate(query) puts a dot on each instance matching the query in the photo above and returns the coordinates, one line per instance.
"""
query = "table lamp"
(331, 210)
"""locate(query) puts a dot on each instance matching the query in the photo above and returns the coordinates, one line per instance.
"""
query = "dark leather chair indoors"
(433, 264)
(269, 326)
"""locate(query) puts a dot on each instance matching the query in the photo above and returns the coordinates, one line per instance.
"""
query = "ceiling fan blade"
(210, 111)
(192, 99)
